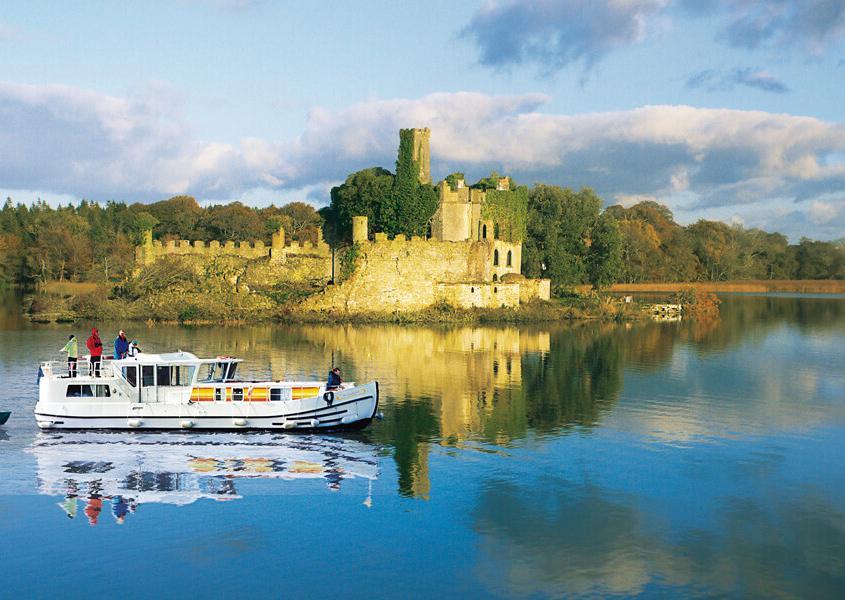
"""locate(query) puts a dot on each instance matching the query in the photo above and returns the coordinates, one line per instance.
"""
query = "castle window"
(484, 232)
(495, 290)
(472, 290)
(495, 231)
(495, 277)
(496, 258)
(510, 258)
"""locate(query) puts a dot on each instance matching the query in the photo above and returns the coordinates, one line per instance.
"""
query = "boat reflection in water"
(130, 469)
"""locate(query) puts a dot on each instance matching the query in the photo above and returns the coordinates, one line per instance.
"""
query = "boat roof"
(177, 358)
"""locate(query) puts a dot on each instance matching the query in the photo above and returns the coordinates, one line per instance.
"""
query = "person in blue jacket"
(121, 345)
(334, 379)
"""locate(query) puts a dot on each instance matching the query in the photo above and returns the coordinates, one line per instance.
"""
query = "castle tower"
(422, 152)
(359, 229)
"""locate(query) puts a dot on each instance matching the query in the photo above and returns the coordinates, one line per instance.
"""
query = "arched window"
(495, 277)
(510, 258)
(484, 232)
(496, 258)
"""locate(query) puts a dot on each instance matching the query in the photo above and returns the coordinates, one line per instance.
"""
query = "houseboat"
(177, 390)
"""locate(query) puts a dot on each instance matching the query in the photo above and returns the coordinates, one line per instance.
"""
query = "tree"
(559, 222)
(232, 221)
(604, 258)
(304, 220)
(177, 217)
(364, 193)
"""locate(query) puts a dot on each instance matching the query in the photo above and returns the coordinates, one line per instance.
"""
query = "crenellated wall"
(151, 250)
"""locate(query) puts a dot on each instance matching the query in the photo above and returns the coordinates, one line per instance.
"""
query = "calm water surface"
(659, 460)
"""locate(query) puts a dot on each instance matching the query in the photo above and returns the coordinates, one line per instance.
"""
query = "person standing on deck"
(134, 350)
(334, 379)
(72, 349)
(95, 347)
(121, 345)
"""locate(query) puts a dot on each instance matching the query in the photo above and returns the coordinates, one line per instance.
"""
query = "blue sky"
(726, 109)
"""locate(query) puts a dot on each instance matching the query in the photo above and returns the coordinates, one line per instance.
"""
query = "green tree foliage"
(177, 217)
(232, 221)
(604, 257)
(367, 193)
(559, 228)
(95, 242)
(819, 260)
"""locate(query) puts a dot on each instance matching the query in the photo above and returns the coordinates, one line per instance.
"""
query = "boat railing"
(61, 369)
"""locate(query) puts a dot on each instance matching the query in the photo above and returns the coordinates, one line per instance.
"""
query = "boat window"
(275, 394)
(230, 376)
(130, 374)
(88, 391)
(210, 372)
(147, 375)
(217, 372)
(219, 394)
(237, 394)
(174, 374)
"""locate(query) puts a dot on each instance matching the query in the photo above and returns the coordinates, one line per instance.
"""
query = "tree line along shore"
(78, 261)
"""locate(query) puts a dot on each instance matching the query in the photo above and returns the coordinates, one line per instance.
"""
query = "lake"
(648, 459)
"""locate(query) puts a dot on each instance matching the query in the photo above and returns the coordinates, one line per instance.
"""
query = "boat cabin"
(175, 377)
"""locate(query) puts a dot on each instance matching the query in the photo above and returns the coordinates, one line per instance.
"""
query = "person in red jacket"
(95, 346)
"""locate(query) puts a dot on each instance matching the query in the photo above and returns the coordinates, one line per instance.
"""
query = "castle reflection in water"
(456, 386)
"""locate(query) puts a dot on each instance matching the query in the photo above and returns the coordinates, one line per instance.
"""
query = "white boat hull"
(351, 408)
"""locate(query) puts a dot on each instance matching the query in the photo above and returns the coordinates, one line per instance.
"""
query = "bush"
(164, 274)
(697, 304)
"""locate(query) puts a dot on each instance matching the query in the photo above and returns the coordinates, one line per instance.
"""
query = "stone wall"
(402, 274)
(535, 289)
(485, 295)
(508, 256)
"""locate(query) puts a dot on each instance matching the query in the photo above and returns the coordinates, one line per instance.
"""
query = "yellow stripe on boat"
(202, 394)
(304, 392)
(257, 395)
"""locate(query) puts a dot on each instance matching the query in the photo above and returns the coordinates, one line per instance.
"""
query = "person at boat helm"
(95, 347)
(121, 345)
(334, 379)
(72, 349)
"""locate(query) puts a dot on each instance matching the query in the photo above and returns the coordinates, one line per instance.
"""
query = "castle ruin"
(466, 262)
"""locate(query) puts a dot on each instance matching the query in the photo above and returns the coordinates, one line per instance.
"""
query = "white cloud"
(71, 141)
(821, 212)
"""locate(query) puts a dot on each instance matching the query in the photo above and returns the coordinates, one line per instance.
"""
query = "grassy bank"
(220, 306)
(820, 286)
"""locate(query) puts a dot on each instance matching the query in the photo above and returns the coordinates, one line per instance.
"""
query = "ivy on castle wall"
(413, 203)
(509, 209)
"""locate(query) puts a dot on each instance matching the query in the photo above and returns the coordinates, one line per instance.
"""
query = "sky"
(719, 109)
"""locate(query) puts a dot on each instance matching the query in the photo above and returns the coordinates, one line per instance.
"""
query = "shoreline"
(764, 286)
